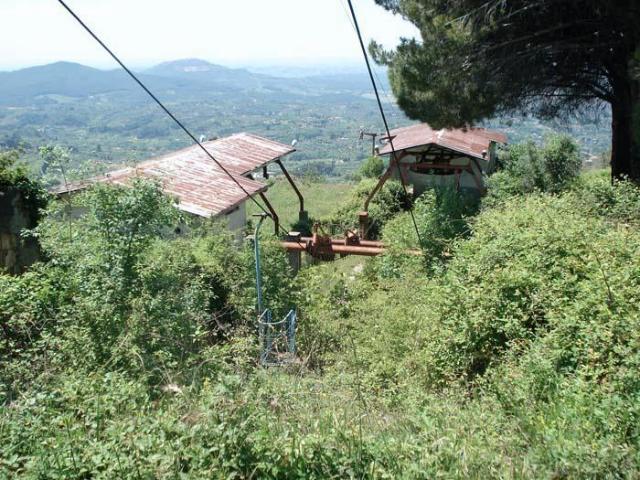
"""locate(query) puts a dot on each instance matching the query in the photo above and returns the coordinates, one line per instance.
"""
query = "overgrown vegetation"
(388, 202)
(15, 175)
(509, 349)
(527, 167)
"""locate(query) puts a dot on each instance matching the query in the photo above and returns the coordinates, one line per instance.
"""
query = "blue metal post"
(256, 246)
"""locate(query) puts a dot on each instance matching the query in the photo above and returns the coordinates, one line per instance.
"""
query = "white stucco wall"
(236, 220)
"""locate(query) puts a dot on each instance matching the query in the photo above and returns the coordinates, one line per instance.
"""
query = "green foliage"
(617, 201)
(372, 167)
(16, 175)
(516, 358)
(526, 168)
(442, 216)
(388, 201)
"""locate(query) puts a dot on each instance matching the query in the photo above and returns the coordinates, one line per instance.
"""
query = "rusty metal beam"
(395, 161)
(443, 166)
(342, 241)
(274, 215)
(338, 249)
(335, 249)
(292, 183)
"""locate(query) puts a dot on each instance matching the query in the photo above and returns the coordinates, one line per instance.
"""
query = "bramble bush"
(517, 357)
(121, 292)
(372, 167)
(526, 168)
(388, 202)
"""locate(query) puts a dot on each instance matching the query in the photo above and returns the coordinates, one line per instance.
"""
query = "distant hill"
(201, 70)
(37, 84)
(63, 78)
(104, 117)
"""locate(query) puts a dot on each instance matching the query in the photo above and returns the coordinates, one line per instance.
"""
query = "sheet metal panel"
(471, 141)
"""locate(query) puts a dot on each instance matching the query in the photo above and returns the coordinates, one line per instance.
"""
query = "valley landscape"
(104, 119)
(465, 304)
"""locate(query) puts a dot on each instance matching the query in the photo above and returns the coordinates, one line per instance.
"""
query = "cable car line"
(384, 117)
(164, 108)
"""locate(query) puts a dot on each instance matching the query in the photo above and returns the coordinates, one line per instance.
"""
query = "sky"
(229, 32)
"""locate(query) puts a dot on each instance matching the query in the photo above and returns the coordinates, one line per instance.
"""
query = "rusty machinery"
(323, 246)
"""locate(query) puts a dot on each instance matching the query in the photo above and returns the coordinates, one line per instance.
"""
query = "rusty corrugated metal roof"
(245, 152)
(201, 187)
(471, 141)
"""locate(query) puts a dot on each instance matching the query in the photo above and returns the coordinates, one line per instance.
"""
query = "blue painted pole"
(256, 250)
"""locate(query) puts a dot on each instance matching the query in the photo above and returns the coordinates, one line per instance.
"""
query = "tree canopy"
(477, 59)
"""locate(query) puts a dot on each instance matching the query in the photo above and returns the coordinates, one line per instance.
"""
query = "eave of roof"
(200, 185)
(470, 142)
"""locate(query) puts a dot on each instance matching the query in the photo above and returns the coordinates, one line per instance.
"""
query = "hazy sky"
(231, 32)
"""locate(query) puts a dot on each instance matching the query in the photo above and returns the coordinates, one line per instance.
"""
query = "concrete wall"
(16, 215)
(236, 220)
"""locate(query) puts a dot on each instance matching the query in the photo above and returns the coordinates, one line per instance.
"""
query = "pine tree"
(477, 59)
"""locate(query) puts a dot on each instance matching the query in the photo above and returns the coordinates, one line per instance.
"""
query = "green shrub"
(15, 175)
(442, 216)
(389, 201)
(516, 358)
(372, 167)
(527, 168)
(617, 201)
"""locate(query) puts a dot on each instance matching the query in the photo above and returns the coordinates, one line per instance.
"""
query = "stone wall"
(16, 215)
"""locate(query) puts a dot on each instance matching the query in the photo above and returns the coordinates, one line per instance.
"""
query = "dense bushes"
(536, 314)
(372, 167)
(527, 167)
(119, 293)
(515, 355)
(388, 202)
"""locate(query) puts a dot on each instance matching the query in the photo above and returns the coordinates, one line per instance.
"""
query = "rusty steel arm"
(343, 249)
(362, 250)
(274, 215)
(395, 161)
(292, 183)
(378, 186)
(342, 241)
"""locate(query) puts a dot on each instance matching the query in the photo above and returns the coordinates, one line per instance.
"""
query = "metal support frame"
(277, 339)
(303, 216)
(373, 137)
(478, 179)
(274, 215)
(256, 252)
(395, 162)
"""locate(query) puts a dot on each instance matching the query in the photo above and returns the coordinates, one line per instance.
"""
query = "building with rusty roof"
(425, 157)
(199, 186)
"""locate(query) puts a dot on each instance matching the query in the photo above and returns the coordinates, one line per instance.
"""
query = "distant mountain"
(66, 79)
(48, 82)
(201, 71)
(194, 69)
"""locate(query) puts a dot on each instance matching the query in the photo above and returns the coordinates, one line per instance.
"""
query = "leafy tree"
(481, 58)
(372, 167)
(14, 174)
(527, 167)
